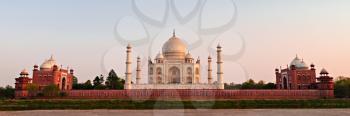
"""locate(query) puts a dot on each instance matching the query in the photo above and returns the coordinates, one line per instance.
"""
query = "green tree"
(342, 87)
(76, 85)
(97, 81)
(121, 84)
(51, 90)
(232, 86)
(102, 80)
(260, 85)
(113, 81)
(269, 86)
(250, 84)
(100, 87)
(32, 89)
(75, 80)
(7, 93)
(87, 85)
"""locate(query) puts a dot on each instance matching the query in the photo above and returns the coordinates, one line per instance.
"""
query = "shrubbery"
(99, 83)
(32, 89)
(51, 90)
(250, 84)
(7, 93)
(342, 87)
(63, 94)
(154, 104)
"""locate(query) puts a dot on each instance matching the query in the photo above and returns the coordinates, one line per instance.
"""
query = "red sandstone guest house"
(48, 74)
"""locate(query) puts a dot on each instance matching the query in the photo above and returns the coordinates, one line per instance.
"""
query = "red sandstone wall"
(200, 94)
(167, 94)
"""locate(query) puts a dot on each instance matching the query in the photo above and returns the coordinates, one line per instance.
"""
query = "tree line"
(341, 86)
(99, 82)
(251, 84)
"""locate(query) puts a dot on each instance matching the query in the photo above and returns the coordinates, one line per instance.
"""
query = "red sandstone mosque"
(298, 75)
(48, 73)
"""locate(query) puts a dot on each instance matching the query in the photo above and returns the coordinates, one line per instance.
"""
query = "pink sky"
(81, 34)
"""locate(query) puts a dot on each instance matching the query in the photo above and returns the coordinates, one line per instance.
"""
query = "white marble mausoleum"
(174, 68)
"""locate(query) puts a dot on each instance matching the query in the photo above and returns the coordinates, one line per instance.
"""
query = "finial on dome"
(173, 32)
(129, 45)
(219, 46)
(51, 57)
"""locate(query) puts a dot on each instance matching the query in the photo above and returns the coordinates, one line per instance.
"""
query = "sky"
(257, 35)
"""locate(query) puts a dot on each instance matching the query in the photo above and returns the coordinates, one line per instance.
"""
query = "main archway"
(63, 84)
(174, 75)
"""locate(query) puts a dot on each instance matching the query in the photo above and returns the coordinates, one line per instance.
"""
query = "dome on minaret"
(24, 72)
(48, 64)
(324, 71)
(174, 48)
(189, 56)
(159, 56)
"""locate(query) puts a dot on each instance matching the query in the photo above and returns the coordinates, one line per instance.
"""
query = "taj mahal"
(174, 73)
(174, 68)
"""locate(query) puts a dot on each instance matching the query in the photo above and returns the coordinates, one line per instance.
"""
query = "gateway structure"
(173, 68)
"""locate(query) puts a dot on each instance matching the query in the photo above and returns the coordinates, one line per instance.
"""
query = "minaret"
(219, 67)
(138, 71)
(210, 78)
(22, 81)
(127, 84)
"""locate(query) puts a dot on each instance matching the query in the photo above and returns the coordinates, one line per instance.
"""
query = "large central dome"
(48, 64)
(174, 48)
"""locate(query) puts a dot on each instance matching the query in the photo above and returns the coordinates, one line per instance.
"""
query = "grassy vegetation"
(150, 104)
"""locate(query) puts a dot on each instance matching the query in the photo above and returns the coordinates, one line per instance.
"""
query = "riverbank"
(184, 112)
(57, 104)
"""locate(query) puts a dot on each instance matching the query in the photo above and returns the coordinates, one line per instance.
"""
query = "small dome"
(188, 56)
(324, 71)
(24, 72)
(48, 63)
(298, 63)
(303, 64)
(159, 56)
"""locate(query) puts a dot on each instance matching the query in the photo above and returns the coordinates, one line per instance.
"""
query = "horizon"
(256, 36)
